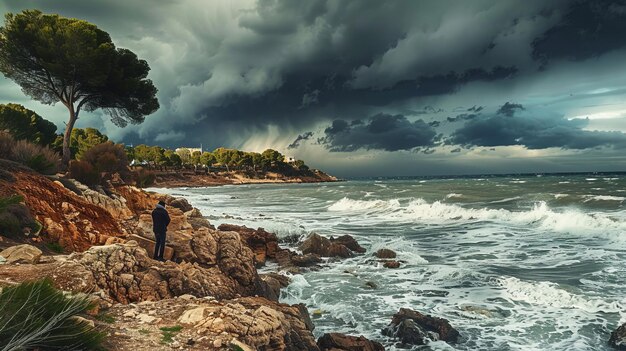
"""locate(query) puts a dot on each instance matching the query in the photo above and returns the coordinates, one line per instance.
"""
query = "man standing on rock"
(160, 221)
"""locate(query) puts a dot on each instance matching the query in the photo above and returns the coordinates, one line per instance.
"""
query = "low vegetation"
(168, 333)
(15, 217)
(40, 158)
(35, 315)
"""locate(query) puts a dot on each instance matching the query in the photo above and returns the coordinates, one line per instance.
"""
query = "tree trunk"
(67, 137)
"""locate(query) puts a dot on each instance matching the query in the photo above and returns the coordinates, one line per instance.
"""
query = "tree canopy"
(57, 59)
(25, 124)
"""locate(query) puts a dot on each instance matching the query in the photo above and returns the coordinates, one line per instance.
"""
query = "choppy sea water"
(515, 263)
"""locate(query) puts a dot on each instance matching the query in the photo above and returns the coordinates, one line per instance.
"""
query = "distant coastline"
(175, 179)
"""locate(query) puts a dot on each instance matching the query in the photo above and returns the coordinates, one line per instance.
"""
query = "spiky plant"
(35, 315)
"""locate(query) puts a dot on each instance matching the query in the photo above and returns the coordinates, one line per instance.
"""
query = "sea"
(516, 262)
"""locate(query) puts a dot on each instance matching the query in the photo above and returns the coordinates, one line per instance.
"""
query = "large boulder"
(325, 247)
(414, 328)
(149, 245)
(341, 342)
(385, 253)
(21, 254)
(618, 338)
(263, 244)
(349, 242)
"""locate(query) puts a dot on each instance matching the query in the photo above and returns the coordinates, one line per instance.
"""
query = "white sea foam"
(603, 198)
(453, 195)
(559, 196)
(518, 181)
(509, 199)
(552, 295)
(540, 215)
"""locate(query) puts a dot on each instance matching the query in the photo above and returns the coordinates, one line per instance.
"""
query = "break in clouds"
(350, 75)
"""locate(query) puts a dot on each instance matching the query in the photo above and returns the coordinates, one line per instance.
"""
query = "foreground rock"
(124, 273)
(253, 323)
(338, 342)
(21, 254)
(341, 247)
(263, 244)
(618, 338)
(414, 328)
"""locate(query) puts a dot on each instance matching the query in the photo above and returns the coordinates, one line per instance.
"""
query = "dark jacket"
(160, 220)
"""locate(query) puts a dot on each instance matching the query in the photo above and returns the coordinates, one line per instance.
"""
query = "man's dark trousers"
(159, 247)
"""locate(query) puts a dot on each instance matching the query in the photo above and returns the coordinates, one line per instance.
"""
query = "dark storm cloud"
(508, 109)
(381, 132)
(302, 137)
(534, 130)
(462, 117)
(229, 70)
(588, 28)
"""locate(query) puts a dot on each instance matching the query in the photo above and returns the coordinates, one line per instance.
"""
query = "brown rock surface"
(324, 247)
(391, 264)
(263, 244)
(385, 253)
(21, 254)
(412, 327)
(67, 217)
(341, 342)
(207, 324)
(349, 242)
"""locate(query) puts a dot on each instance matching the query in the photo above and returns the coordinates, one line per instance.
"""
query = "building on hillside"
(290, 159)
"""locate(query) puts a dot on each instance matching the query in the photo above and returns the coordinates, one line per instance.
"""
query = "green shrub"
(6, 145)
(169, 332)
(14, 216)
(35, 315)
(144, 178)
(55, 247)
(39, 158)
(84, 172)
(107, 157)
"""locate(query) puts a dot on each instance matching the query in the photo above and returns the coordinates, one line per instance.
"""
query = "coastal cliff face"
(72, 220)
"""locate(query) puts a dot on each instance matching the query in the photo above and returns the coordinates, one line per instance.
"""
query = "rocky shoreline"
(208, 296)
(190, 179)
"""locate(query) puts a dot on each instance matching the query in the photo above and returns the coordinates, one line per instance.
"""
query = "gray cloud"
(533, 129)
(302, 137)
(588, 28)
(381, 132)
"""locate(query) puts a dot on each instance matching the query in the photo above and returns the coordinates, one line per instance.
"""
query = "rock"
(385, 253)
(618, 338)
(306, 260)
(412, 327)
(148, 245)
(68, 218)
(349, 242)
(145, 319)
(240, 345)
(193, 316)
(391, 264)
(179, 203)
(338, 342)
(371, 285)
(2, 260)
(22, 254)
(323, 247)
(263, 244)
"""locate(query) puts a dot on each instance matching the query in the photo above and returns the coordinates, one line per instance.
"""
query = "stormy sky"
(374, 88)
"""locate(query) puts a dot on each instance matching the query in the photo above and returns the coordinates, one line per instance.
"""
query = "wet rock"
(371, 285)
(415, 328)
(340, 342)
(385, 253)
(22, 254)
(324, 247)
(391, 264)
(349, 242)
(306, 260)
(618, 338)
